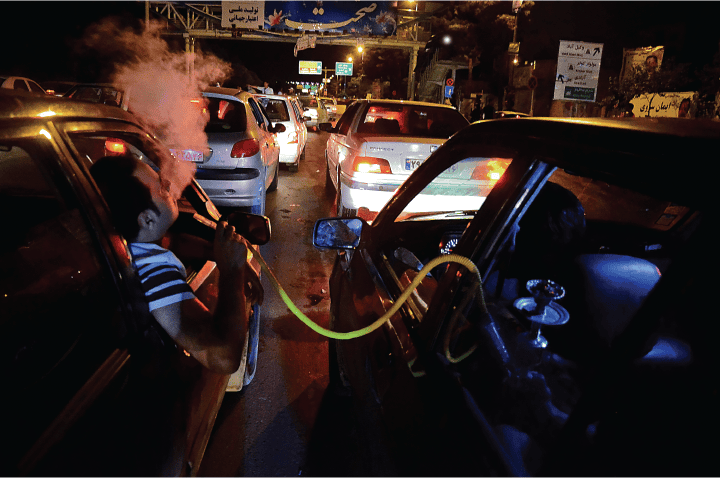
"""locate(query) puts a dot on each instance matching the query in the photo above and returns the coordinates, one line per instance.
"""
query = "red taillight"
(367, 164)
(245, 148)
(114, 147)
(491, 170)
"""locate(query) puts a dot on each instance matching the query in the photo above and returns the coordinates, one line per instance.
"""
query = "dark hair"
(556, 216)
(551, 233)
(125, 195)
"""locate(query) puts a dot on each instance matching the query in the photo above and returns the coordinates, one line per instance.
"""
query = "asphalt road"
(284, 423)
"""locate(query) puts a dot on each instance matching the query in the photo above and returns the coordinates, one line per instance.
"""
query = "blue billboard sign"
(364, 18)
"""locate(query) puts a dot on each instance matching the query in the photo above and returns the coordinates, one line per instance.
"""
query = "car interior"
(607, 247)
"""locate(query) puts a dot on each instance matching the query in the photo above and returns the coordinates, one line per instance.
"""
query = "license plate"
(188, 155)
(412, 164)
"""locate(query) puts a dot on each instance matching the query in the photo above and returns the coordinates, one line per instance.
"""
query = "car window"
(297, 110)
(257, 113)
(346, 119)
(411, 120)
(57, 298)
(225, 116)
(35, 87)
(19, 84)
(277, 110)
(308, 102)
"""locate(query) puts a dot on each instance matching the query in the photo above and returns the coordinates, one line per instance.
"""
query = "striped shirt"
(162, 275)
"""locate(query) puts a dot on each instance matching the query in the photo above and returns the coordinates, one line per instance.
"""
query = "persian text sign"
(242, 14)
(578, 70)
(310, 67)
(343, 69)
(667, 105)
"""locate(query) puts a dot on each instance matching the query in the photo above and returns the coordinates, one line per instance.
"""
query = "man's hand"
(230, 248)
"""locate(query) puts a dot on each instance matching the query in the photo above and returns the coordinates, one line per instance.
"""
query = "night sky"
(41, 38)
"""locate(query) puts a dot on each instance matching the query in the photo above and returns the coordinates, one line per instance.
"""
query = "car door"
(337, 142)
(299, 124)
(62, 349)
(269, 145)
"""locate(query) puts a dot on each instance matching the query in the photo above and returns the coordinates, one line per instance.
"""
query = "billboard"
(360, 17)
(307, 67)
(663, 105)
(648, 58)
(578, 70)
(242, 14)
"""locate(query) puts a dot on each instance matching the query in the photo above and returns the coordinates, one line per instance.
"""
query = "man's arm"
(215, 340)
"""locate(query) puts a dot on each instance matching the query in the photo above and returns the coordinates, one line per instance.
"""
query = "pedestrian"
(488, 112)
(265, 89)
(143, 210)
(476, 113)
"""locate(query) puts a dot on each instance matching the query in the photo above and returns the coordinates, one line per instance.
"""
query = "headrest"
(614, 287)
(387, 126)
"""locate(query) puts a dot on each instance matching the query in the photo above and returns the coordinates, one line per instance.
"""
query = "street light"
(361, 50)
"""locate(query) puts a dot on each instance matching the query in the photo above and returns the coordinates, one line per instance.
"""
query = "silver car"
(242, 164)
(281, 110)
(375, 146)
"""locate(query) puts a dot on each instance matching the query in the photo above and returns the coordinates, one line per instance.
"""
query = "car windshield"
(226, 116)
(411, 120)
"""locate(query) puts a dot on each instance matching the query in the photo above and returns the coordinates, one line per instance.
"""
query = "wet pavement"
(287, 422)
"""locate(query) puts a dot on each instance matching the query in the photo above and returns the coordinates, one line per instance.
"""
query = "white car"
(22, 84)
(375, 146)
(314, 111)
(282, 110)
(243, 161)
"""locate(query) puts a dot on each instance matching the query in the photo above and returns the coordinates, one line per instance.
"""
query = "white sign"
(578, 70)
(243, 14)
(305, 42)
(667, 105)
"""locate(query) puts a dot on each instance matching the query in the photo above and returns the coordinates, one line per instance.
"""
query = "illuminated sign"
(343, 69)
(578, 70)
(310, 67)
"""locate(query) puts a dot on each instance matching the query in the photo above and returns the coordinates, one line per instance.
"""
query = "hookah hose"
(380, 321)
(462, 260)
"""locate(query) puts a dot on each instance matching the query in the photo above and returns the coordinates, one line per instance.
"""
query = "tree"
(478, 31)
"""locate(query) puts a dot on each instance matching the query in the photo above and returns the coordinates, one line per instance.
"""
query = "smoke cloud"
(160, 85)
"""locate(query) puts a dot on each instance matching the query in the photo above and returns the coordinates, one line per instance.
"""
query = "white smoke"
(160, 85)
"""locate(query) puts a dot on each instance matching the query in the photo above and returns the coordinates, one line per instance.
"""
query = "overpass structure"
(204, 20)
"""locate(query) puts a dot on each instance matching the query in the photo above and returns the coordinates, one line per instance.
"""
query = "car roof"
(14, 105)
(274, 97)
(405, 102)
(219, 90)
(653, 155)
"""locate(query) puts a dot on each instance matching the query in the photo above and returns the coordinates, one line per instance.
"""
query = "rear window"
(226, 116)
(277, 110)
(308, 102)
(411, 120)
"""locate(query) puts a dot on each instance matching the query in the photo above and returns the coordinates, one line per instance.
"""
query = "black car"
(91, 384)
(590, 347)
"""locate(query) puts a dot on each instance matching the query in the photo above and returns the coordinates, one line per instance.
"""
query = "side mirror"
(338, 233)
(327, 127)
(253, 227)
(278, 128)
